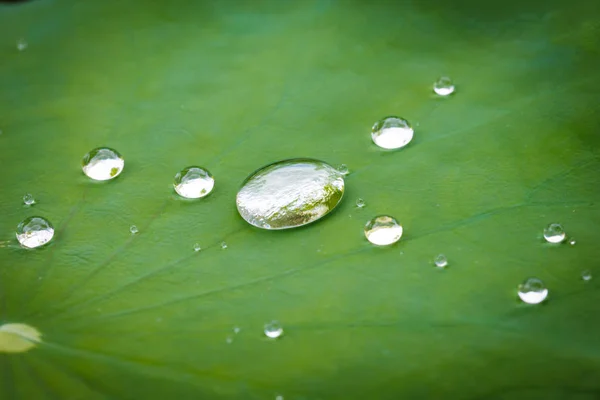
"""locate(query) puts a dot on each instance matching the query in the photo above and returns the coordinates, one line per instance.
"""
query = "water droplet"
(197, 247)
(102, 164)
(18, 338)
(133, 229)
(443, 86)
(193, 182)
(440, 261)
(586, 275)
(273, 330)
(278, 397)
(572, 242)
(229, 340)
(383, 230)
(28, 199)
(22, 44)
(290, 193)
(533, 291)
(236, 329)
(554, 233)
(223, 245)
(360, 203)
(34, 232)
(343, 169)
(392, 133)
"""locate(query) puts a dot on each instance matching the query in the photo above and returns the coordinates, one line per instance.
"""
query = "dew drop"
(290, 193)
(229, 340)
(279, 397)
(223, 245)
(532, 291)
(34, 232)
(360, 203)
(22, 44)
(102, 164)
(383, 230)
(273, 330)
(133, 229)
(236, 329)
(443, 86)
(392, 133)
(586, 275)
(193, 182)
(343, 169)
(18, 338)
(554, 233)
(572, 242)
(440, 261)
(197, 247)
(28, 199)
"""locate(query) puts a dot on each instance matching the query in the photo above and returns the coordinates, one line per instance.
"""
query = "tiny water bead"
(28, 199)
(22, 44)
(554, 233)
(572, 242)
(193, 182)
(102, 164)
(290, 193)
(236, 329)
(392, 133)
(383, 230)
(273, 330)
(360, 203)
(133, 229)
(532, 291)
(18, 338)
(223, 245)
(440, 261)
(443, 86)
(197, 247)
(586, 275)
(34, 232)
(343, 169)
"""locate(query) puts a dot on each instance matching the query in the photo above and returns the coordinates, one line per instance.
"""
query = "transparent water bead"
(383, 230)
(28, 199)
(18, 338)
(22, 44)
(102, 164)
(223, 245)
(197, 247)
(532, 291)
(34, 232)
(133, 229)
(572, 242)
(586, 275)
(193, 182)
(343, 169)
(360, 203)
(443, 86)
(440, 261)
(273, 330)
(290, 193)
(392, 133)
(554, 233)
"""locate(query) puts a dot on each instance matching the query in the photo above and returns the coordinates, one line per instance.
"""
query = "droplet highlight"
(383, 230)
(532, 291)
(554, 233)
(194, 182)
(18, 338)
(440, 261)
(28, 199)
(102, 164)
(34, 232)
(392, 133)
(443, 86)
(290, 193)
(273, 330)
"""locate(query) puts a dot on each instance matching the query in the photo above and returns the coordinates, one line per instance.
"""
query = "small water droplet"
(586, 275)
(193, 182)
(343, 169)
(383, 230)
(440, 261)
(34, 232)
(279, 397)
(443, 86)
(28, 199)
(290, 193)
(197, 247)
(392, 133)
(554, 233)
(133, 229)
(273, 330)
(223, 245)
(360, 203)
(22, 44)
(236, 329)
(532, 291)
(572, 242)
(229, 339)
(102, 164)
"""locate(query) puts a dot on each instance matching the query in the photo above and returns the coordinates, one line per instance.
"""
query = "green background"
(235, 85)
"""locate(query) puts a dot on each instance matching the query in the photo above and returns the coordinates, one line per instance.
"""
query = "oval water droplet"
(554, 233)
(193, 182)
(290, 193)
(197, 247)
(443, 86)
(360, 203)
(102, 164)
(343, 169)
(223, 245)
(28, 199)
(133, 229)
(586, 275)
(34, 232)
(22, 44)
(532, 291)
(383, 230)
(392, 133)
(440, 261)
(273, 330)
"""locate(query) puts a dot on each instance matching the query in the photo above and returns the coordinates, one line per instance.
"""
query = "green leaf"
(232, 86)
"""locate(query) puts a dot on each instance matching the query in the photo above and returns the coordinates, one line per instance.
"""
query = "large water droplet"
(18, 338)
(22, 44)
(273, 330)
(383, 230)
(443, 86)
(193, 182)
(102, 164)
(440, 261)
(28, 199)
(554, 233)
(392, 133)
(34, 232)
(532, 291)
(290, 193)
